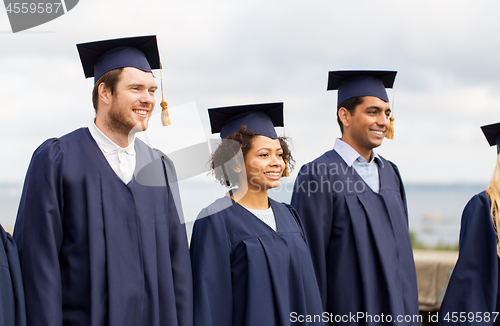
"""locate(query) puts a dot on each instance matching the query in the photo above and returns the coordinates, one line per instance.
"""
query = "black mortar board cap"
(354, 83)
(492, 134)
(258, 118)
(102, 56)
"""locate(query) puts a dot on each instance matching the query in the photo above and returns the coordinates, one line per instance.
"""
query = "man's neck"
(117, 137)
(366, 153)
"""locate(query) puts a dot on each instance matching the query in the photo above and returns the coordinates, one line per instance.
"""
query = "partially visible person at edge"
(472, 296)
(353, 205)
(251, 264)
(99, 233)
(12, 305)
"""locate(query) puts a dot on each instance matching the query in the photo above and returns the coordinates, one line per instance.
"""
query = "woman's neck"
(250, 199)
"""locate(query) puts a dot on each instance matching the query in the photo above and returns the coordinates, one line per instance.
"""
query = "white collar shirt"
(122, 160)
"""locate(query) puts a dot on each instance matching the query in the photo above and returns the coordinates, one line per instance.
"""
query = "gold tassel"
(285, 173)
(390, 130)
(165, 118)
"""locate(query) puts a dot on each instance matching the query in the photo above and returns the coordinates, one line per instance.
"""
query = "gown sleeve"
(179, 252)
(211, 263)
(38, 235)
(471, 296)
(314, 206)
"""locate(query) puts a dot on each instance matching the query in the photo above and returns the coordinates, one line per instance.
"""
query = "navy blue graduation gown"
(473, 291)
(359, 240)
(12, 307)
(246, 274)
(95, 251)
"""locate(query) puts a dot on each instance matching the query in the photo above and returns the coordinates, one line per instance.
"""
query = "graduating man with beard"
(99, 227)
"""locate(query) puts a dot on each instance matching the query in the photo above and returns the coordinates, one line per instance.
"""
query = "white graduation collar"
(106, 144)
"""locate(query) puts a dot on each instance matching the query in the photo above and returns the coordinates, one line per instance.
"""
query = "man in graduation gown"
(353, 206)
(100, 237)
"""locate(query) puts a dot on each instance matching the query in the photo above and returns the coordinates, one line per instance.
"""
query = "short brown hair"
(241, 139)
(110, 79)
(350, 105)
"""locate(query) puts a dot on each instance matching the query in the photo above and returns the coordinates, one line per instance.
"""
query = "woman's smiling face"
(264, 164)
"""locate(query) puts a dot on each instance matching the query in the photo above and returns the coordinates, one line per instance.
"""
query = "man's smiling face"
(367, 126)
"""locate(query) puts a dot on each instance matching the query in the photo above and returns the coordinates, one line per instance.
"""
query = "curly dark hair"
(224, 155)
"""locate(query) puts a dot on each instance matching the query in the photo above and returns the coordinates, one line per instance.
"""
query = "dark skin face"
(264, 166)
(366, 128)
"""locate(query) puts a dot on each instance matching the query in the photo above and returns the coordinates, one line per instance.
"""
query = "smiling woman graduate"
(473, 296)
(251, 264)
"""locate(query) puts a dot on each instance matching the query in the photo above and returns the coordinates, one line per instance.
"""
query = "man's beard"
(121, 122)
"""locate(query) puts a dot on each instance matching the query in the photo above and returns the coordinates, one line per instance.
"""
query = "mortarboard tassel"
(165, 118)
(390, 130)
(286, 173)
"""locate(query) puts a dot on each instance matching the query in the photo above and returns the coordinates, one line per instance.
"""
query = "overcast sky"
(219, 53)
